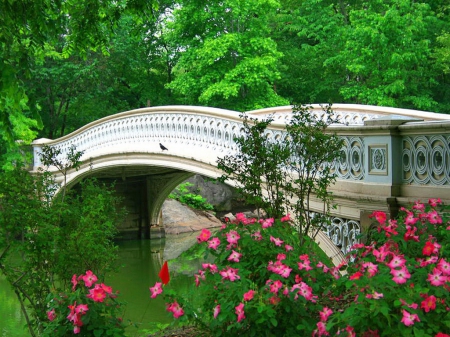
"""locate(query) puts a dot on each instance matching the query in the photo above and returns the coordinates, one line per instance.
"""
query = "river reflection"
(138, 266)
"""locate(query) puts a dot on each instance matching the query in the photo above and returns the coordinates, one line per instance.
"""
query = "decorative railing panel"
(350, 164)
(343, 232)
(426, 160)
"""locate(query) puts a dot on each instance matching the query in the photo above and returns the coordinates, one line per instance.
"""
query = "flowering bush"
(91, 309)
(398, 284)
(257, 283)
(262, 282)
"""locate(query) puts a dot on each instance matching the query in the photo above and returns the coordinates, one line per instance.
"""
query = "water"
(139, 265)
(11, 319)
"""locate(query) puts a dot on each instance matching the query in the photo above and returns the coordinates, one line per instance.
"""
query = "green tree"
(33, 30)
(227, 58)
(313, 149)
(257, 167)
(308, 33)
(284, 173)
(389, 50)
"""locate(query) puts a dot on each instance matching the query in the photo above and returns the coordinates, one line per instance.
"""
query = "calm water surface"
(139, 265)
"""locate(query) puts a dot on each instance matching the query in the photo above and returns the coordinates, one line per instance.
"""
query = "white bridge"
(391, 157)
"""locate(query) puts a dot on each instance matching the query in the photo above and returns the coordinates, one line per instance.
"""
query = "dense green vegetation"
(65, 63)
(45, 238)
(193, 199)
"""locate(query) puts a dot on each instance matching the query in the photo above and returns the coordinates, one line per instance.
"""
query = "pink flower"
(81, 309)
(379, 216)
(437, 279)
(51, 315)
(396, 261)
(76, 330)
(356, 276)
(249, 295)
(288, 248)
(281, 257)
(73, 316)
(278, 242)
(204, 236)
(276, 286)
(106, 288)
(267, 223)
(410, 219)
(410, 234)
(97, 294)
(434, 217)
(200, 276)
(89, 279)
(375, 295)
(285, 218)
(214, 243)
(239, 310)
(229, 274)
(434, 202)
(233, 237)
(412, 305)
(400, 275)
(444, 267)
(285, 271)
(325, 313)
(216, 310)
(74, 282)
(304, 265)
(428, 248)
(304, 290)
(429, 303)
(212, 267)
(429, 260)
(419, 206)
(257, 236)
(156, 290)
(408, 318)
(371, 268)
(321, 330)
(234, 256)
(175, 309)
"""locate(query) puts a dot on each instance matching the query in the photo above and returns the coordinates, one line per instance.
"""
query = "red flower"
(428, 248)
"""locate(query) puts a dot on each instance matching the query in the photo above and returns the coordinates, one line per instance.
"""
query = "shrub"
(262, 282)
(90, 309)
(257, 282)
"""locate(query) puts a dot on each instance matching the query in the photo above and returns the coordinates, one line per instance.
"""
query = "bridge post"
(383, 148)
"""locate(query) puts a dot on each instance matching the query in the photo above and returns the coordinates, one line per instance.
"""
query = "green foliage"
(185, 196)
(228, 60)
(313, 151)
(257, 167)
(44, 240)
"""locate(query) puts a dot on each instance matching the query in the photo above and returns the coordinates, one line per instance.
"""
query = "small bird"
(162, 147)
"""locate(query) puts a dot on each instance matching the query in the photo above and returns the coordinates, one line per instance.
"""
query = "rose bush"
(91, 309)
(263, 283)
(398, 283)
(257, 283)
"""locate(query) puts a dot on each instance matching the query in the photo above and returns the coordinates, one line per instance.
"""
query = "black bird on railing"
(162, 147)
